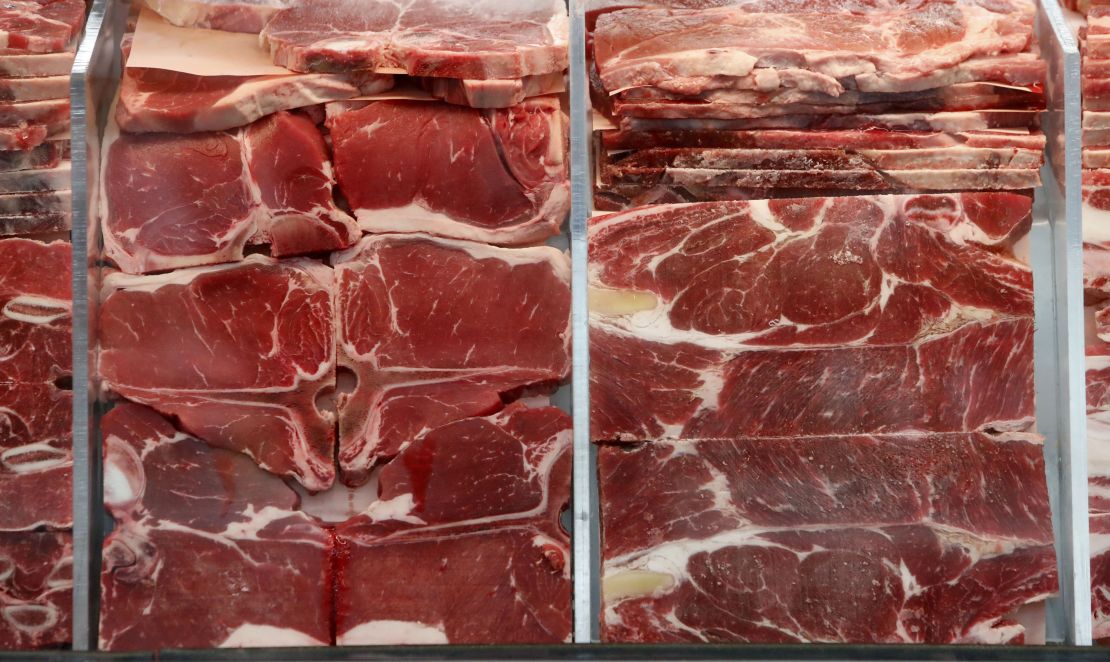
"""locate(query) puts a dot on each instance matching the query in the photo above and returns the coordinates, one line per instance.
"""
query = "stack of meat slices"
(38, 40)
(316, 284)
(814, 99)
(1094, 38)
(40, 43)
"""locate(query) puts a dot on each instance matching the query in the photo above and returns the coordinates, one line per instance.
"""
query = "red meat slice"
(256, 348)
(36, 590)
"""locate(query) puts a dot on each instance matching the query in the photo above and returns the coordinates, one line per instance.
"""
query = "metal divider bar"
(1064, 132)
(585, 477)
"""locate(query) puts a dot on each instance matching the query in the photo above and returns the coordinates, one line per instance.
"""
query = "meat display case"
(1055, 254)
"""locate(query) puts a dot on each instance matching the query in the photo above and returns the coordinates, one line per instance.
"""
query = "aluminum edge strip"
(83, 471)
(1065, 213)
(584, 494)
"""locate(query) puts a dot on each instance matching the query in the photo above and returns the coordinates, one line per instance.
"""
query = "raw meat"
(460, 495)
(44, 156)
(969, 120)
(36, 458)
(443, 480)
(40, 26)
(497, 176)
(50, 112)
(493, 93)
(815, 316)
(34, 89)
(41, 202)
(1098, 464)
(875, 139)
(153, 100)
(475, 39)
(255, 347)
(189, 515)
(882, 539)
(230, 15)
(884, 47)
(31, 224)
(28, 135)
(428, 344)
(426, 589)
(35, 335)
(36, 590)
(269, 182)
(55, 178)
(47, 64)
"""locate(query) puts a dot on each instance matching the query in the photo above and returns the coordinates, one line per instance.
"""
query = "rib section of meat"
(185, 200)
(36, 590)
(190, 515)
(497, 176)
(922, 539)
(820, 316)
(427, 343)
(440, 38)
(455, 498)
(255, 343)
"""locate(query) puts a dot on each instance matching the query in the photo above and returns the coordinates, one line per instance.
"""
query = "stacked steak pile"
(313, 287)
(1094, 37)
(39, 39)
(811, 374)
(780, 99)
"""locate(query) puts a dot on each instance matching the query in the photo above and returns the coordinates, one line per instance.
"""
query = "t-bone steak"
(36, 590)
(253, 347)
(436, 330)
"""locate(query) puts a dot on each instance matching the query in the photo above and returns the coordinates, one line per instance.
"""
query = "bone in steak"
(255, 348)
(875, 539)
(190, 515)
(39, 179)
(49, 112)
(475, 39)
(968, 120)
(429, 345)
(498, 176)
(36, 590)
(40, 202)
(35, 224)
(645, 46)
(182, 200)
(1098, 467)
(36, 458)
(35, 335)
(444, 512)
(229, 15)
(814, 316)
(40, 26)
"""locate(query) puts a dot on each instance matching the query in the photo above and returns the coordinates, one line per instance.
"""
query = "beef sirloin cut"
(184, 200)
(189, 515)
(446, 38)
(815, 316)
(497, 176)
(36, 590)
(229, 15)
(418, 327)
(36, 458)
(460, 495)
(255, 348)
(879, 539)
